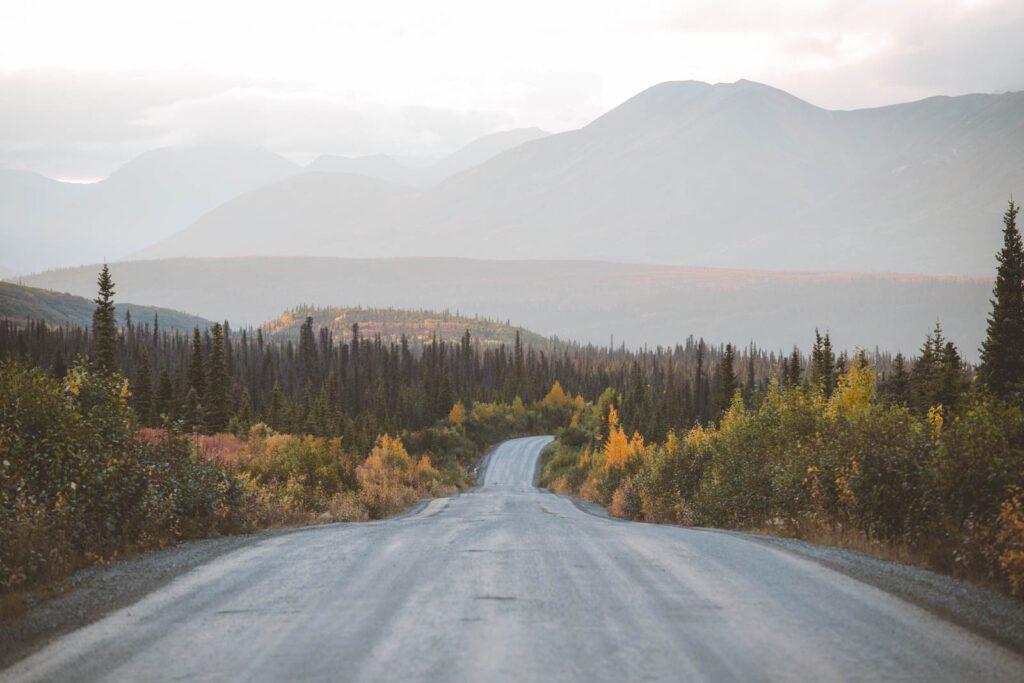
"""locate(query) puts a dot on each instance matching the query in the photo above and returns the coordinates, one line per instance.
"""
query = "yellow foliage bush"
(457, 415)
(1011, 540)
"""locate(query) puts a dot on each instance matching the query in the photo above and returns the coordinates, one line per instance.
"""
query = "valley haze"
(585, 301)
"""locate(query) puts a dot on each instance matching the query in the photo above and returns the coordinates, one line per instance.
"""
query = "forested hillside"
(393, 324)
(19, 304)
(587, 301)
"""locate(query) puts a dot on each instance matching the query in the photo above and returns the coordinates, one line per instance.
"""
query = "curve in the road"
(509, 583)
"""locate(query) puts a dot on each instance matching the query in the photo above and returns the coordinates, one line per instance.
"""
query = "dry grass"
(847, 539)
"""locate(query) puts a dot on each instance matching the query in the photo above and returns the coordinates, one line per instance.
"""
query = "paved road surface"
(509, 583)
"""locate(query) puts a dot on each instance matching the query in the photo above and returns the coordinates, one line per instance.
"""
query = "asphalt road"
(509, 583)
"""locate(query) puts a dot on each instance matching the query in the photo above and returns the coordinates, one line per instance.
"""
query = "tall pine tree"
(1002, 352)
(104, 328)
(727, 382)
(217, 401)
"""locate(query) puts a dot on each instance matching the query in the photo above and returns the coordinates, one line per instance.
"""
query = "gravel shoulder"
(987, 613)
(97, 591)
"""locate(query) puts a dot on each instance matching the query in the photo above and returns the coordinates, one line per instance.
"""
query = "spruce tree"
(276, 418)
(727, 380)
(823, 363)
(196, 370)
(700, 386)
(58, 367)
(938, 377)
(308, 362)
(1002, 352)
(245, 411)
(217, 400)
(519, 367)
(899, 383)
(192, 411)
(794, 368)
(104, 329)
(165, 398)
(142, 390)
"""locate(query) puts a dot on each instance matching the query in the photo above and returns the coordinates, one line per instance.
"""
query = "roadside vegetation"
(82, 482)
(119, 438)
(924, 462)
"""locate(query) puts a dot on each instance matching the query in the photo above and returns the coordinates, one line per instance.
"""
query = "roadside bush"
(77, 483)
(945, 484)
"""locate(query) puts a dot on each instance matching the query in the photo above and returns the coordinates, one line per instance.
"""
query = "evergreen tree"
(519, 367)
(308, 352)
(58, 368)
(245, 411)
(938, 378)
(104, 329)
(1002, 352)
(700, 385)
(142, 390)
(823, 364)
(276, 418)
(217, 400)
(165, 397)
(192, 410)
(637, 408)
(196, 371)
(750, 385)
(794, 368)
(727, 380)
(898, 385)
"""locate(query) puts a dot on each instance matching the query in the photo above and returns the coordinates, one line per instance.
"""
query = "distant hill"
(419, 326)
(45, 223)
(587, 301)
(312, 203)
(737, 175)
(383, 167)
(20, 303)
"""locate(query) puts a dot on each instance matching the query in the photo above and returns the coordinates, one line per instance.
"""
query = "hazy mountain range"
(45, 223)
(575, 300)
(383, 167)
(737, 175)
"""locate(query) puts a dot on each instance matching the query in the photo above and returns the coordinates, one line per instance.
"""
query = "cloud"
(84, 124)
(308, 123)
(408, 79)
(69, 122)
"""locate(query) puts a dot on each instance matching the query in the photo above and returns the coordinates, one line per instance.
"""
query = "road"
(509, 583)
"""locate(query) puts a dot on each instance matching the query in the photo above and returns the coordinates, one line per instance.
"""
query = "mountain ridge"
(727, 175)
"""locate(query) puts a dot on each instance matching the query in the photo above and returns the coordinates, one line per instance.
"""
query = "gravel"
(99, 590)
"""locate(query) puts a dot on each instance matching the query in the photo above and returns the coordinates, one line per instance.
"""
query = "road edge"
(986, 613)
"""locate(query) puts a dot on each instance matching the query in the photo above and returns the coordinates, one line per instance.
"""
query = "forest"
(126, 435)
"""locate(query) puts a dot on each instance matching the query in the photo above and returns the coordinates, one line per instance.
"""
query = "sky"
(86, 86)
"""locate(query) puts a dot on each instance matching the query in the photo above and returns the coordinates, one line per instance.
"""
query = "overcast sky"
(84, 86)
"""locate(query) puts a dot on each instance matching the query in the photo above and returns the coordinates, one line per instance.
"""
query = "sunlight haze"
(417, 80)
